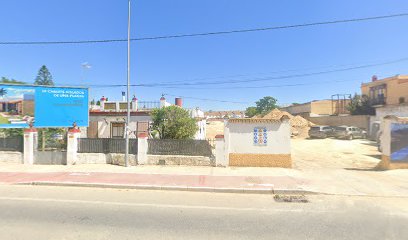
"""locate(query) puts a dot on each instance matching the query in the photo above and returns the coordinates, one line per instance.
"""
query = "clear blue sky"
(250, 55)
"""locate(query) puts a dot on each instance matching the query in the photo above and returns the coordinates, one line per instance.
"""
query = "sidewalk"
(209, 179)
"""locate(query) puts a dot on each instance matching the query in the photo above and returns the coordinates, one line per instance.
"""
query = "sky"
(16, 93)
(261, 56)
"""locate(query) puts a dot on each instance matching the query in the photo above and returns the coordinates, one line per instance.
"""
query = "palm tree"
(3, 92)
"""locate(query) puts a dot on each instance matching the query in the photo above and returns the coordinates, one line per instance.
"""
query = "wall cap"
(74, 130)
(28, 130)
(258, 120)
(142, 135)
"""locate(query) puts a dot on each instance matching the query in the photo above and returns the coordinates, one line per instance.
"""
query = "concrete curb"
(175, 188)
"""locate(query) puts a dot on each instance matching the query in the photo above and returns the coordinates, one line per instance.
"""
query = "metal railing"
(143, 105)
(378, 101)
(106, 145)
(179, 147)
(12, 144)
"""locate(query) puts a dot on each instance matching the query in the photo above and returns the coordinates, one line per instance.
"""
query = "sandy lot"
(334, 153)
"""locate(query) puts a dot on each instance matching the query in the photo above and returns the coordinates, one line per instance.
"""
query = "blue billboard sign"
(399, 142)
(43, 106)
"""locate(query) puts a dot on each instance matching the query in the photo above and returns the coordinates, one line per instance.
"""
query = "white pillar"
(220, 159)
(142, 147)
(385, 140)
(72, 146)
(134, 104)
(117, 107)
(102, 101)
(162, 102)
(30, 141)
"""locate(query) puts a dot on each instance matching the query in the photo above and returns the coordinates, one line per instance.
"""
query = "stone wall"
(119, 159)
(102, 158)
(92, 158)
(11, 157)
(50, 158)
(361, 121)
(179, 160)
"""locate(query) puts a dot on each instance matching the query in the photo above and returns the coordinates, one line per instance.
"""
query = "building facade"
(108, 119)
(224, 114)
(319, 108)
(387, 91)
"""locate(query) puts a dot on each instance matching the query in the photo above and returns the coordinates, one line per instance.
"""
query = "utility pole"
(127, 128)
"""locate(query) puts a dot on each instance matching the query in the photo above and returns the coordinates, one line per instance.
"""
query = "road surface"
(39, 212)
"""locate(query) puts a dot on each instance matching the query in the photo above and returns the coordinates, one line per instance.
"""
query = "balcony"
(378, 101)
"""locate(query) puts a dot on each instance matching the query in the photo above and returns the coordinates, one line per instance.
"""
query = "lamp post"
(85, 66)
(128, 90)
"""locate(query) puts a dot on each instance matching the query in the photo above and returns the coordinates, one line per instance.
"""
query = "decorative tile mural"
(260, 136)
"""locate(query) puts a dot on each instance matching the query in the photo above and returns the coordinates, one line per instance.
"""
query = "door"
(92, 130)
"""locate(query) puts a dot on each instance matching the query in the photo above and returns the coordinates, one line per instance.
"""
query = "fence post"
(142, 147)
(30, 140)
(220, 159)
(72, 145)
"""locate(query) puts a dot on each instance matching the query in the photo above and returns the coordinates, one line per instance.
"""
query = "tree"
(251, 112)
(44, 77)
(46, 137)
(266, 104)
(12, 132)
(360, 105)
(12, 81)
(173, 122)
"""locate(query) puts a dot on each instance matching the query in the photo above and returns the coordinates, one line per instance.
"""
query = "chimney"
(374, 78)
(179, 102)
(162, 101)
(102, 101)
(134, 103)
(123, 97)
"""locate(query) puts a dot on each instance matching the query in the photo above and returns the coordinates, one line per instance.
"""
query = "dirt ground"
(334, 153)
(214, 128)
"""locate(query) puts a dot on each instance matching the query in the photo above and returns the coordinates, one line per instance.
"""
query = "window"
(401, 100)
(378, 92)
(117, 130)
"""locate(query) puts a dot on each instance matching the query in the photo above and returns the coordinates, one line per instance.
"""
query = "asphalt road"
(34, 212)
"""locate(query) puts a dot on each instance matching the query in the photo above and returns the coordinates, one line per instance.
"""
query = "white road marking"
(79, 174)
(200, 207)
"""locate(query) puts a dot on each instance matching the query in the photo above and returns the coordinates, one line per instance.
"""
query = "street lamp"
(128, 90)
(84, 66)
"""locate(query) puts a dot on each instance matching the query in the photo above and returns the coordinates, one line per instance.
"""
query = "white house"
(107, 120)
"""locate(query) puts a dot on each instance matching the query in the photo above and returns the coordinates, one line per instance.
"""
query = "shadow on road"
(378, 156)
(374, 169)
(370, 143)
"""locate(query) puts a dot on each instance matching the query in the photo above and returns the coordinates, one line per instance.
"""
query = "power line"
(377, 63)
(264, 86)
(205, 33)
(263, 79)
(283, 76)
(227, 87)
(207, 99)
